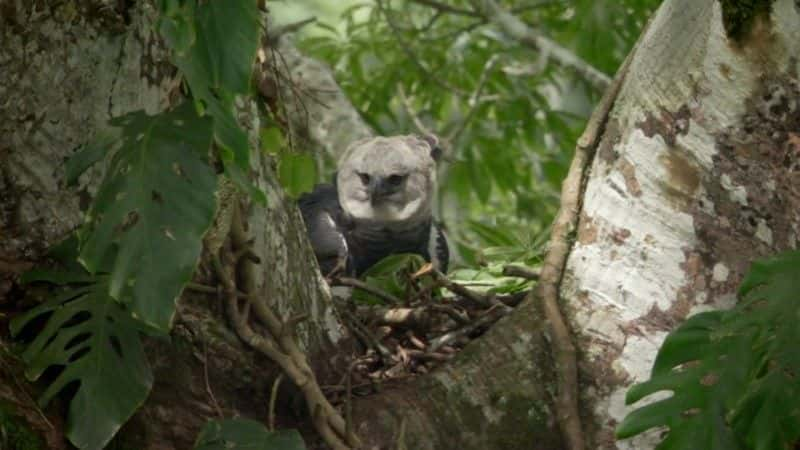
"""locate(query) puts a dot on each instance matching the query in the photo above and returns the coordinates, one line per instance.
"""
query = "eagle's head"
(390, 180)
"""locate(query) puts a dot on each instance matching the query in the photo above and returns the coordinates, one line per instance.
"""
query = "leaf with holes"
(151, 211)
(245, 434)
(96, 342)
(732, 373)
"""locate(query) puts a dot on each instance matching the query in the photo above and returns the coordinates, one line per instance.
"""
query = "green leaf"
(217, 62)
(151, 211)
(762, 272)
(88, 155)
(732, 373)
(246, 434)
(297, 173)
(389, 275)
(272, 140)
(96, 342)
(493, 235)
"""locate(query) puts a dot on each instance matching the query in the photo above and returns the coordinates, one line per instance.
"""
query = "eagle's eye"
(364, 178)
(396, 179)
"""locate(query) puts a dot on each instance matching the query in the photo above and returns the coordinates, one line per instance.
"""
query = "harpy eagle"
(379, 204)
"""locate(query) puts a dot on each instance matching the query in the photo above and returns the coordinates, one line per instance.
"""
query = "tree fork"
(552, 271)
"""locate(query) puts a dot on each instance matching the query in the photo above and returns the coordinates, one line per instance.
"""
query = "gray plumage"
(379, 204)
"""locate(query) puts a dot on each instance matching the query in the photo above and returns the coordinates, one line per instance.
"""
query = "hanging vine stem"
(237, 277)
(552, 271)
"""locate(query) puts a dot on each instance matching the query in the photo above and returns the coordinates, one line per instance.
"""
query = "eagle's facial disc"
(389, 180)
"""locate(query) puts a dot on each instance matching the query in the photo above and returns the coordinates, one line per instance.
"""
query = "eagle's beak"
(380, 188)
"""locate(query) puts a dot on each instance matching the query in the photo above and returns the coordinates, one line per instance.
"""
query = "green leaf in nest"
(389, 275)
(245, 434)
(151, 211)
(732, 374)
(96, 342)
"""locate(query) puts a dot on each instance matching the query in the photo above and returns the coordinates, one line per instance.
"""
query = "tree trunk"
(696, 176)
(68, 67)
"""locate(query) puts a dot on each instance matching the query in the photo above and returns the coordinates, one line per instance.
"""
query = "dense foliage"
(509, 114)
(732, 374)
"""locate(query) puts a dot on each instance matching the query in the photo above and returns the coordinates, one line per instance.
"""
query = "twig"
(445, 8)
(364, 335)
(272, 398)
(408, 317)
(208, 385)
(358, 284)
(410, 111)
(474, 100)
(457, 316)
(521, 272)
(469, 294)
(406, 48)
(518, 30)
(490, 317)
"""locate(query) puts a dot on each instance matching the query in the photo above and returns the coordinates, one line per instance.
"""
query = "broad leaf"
(89, 154)
(297, 173)
(151, 211)
(96, 342)
(389, 275)
(214, 45)
(732, 374)
(245, 434)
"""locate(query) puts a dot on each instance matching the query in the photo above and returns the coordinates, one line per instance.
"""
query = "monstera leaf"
(214, 46)
(243, 434)
(732, 374)
(151, 211)
(95, 342)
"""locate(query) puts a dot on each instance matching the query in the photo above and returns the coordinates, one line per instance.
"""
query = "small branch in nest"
(521, 272)
(406, 317)
(364, 335)
(358, 284)
(475, 297)
(491, 316)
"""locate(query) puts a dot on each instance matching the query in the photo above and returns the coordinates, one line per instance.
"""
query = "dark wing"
(321, 212)
(438, 250)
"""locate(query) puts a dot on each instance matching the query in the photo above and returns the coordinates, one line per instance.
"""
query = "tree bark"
(695, 177)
